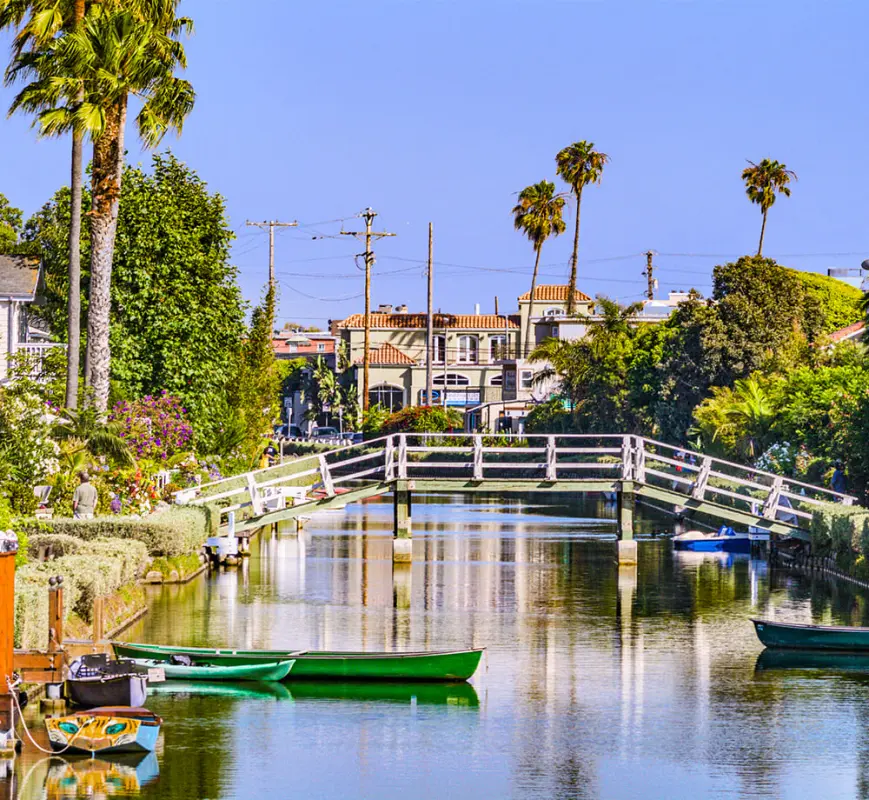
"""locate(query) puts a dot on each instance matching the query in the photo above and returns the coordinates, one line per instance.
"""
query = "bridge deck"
(621, 464)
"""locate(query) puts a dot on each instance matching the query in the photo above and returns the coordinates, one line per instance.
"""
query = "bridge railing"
(517, 459)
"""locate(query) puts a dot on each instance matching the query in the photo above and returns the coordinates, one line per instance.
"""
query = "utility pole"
(368, 215)
(429, 327)
(271, 225)
(649, 275)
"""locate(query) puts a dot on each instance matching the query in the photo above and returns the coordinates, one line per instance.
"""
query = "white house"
(19, 281)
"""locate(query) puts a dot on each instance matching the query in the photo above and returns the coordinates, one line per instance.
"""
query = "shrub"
(175, 532)
(155, 427)
(423, 419)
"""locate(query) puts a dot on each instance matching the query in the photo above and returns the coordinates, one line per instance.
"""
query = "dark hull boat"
(95, 680)
(793, 636)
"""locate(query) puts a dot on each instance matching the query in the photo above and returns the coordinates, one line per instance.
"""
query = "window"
(554, 312)
(321, 348)
(294, 348)
(450, 379)
(439, 346)
(496, 380)
(527, 378)
(510, 380)
(390, 397)
(498, 347)
(468, 349)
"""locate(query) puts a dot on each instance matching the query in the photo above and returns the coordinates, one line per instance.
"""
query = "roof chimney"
(384, 308)
(477, 309)
(402, 309)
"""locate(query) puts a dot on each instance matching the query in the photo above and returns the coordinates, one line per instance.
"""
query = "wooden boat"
(95, 680)
(811, 637)
(105, 730)
(724, 540)
(274, 670)
(450, 665)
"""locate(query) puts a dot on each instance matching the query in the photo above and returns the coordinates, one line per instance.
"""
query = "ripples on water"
(597, 682)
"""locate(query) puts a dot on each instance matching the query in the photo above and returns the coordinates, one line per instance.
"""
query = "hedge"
(100, 567)
(176, 532)
(840, 530)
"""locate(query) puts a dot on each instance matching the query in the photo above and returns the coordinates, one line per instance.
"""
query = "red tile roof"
(553, 292)
(418, 321)
(847, 332)
(386, 354)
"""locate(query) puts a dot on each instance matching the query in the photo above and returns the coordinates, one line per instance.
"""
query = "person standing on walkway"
(839, 481)
(84, 498)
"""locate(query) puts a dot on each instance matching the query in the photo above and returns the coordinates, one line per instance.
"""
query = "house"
(289, 344)
(20, 277)
(478, 360)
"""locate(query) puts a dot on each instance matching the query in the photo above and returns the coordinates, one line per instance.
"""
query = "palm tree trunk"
(571, 285)
(107, 156)
(762, 231)
(528, 327)
(73, 302)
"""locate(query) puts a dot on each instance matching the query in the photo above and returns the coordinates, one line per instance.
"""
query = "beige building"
(477, 359)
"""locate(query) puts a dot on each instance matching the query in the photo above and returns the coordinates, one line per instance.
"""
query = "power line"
(271, 225)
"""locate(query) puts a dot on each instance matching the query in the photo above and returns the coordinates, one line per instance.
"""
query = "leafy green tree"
(177, 312)
(539, 215)
(10, 225)
(738, 420)
(578, 165)
(762, 183)
(83, 81)
(831, 304)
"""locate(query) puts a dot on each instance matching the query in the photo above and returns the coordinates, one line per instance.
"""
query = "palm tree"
(578, 165)
(538, 214)
(85, 432)
(762, 182)
(114, 53)
(38, 23)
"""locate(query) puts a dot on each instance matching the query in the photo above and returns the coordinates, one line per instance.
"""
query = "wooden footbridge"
(624, 467)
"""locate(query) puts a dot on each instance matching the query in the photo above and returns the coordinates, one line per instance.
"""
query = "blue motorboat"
(724, 540)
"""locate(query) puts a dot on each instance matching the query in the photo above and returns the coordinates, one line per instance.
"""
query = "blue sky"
(442, 111)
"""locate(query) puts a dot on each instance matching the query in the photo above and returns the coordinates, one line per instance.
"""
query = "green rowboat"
(811, 637)
(275, 670)
(453, 665)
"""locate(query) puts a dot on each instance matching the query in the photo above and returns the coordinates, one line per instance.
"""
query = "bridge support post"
(626, 546)
(402, 531)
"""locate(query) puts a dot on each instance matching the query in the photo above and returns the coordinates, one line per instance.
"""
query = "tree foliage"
(177, 313)
(10, 224)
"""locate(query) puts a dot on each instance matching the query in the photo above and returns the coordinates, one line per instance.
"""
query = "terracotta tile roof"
(386, 354)
(847, 332)
(418, 321)
(553, 292)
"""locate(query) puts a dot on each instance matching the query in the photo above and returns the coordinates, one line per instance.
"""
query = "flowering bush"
(155, 427)
(423, 419)
(132, 492)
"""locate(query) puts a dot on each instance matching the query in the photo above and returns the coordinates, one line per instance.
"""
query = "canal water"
(596, 683)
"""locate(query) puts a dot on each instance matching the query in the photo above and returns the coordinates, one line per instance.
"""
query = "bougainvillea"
(155, 427)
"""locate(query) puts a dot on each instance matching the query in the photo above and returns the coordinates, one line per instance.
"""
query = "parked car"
(288, 432)
(325, 433)
(357, 438)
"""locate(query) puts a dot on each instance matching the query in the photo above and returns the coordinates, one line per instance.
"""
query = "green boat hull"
(811, 637)
(457, 665)
(275, 670)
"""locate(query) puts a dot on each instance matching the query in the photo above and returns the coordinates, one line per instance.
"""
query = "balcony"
(35, 353)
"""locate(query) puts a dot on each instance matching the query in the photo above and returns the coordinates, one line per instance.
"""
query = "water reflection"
(597, 682)
(80, 778)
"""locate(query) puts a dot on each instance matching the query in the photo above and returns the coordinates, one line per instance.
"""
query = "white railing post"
(402, 456)
(253, 492)
(551, 471)
(326, 476)
(770, 505)
(698, 490)
(640, 459)
(478, 458)
(627, 459)
(389, 466)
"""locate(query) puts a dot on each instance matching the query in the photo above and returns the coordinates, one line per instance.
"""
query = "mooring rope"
(12, 686)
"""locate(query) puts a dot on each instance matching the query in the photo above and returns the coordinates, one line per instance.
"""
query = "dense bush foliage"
(178, 531)
(155, 427)
(423, 419)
